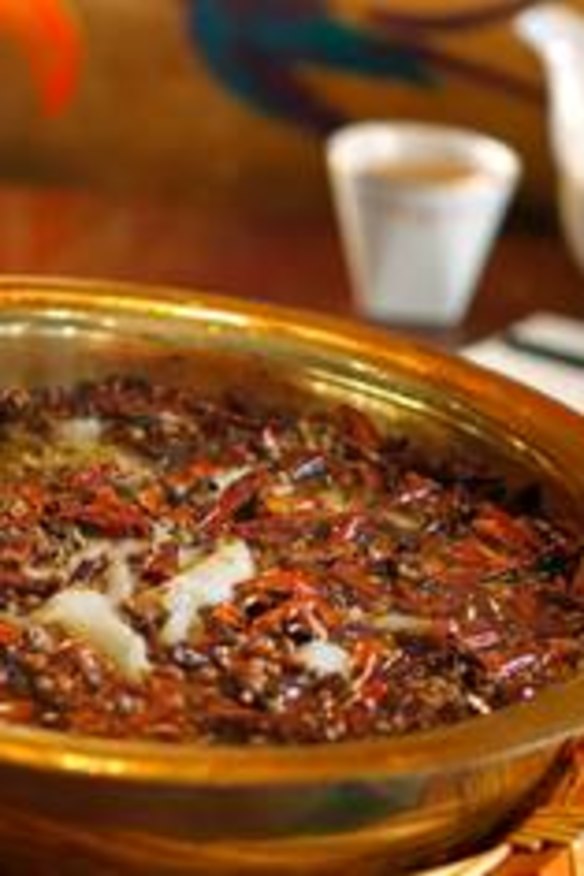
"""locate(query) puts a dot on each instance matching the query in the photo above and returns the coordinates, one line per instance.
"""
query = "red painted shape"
(50, 39)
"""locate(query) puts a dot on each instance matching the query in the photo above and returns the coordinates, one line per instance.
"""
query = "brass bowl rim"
(554, 716)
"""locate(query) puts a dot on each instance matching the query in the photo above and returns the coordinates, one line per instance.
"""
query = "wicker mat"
(549, 842)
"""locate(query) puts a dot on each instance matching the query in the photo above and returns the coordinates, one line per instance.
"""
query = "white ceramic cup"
(416, 244)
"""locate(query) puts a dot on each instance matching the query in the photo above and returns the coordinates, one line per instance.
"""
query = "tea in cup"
(418, 207)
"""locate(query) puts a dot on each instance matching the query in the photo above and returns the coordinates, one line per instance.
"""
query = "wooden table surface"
(294, 262)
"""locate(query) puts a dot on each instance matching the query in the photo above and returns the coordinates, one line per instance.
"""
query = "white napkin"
(557, 334)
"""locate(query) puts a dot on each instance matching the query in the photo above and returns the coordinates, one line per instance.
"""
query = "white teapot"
(556, 33)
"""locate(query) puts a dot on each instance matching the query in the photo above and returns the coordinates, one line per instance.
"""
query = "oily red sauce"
(275, 578)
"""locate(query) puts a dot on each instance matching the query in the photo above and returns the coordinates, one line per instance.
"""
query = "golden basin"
(76, 805)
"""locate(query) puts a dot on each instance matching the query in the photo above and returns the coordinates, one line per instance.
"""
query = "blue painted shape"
(254, 46)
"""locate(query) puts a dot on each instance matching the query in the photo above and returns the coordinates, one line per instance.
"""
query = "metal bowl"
(77, 805)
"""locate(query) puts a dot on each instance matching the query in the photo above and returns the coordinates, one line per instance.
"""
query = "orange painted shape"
(50, 39)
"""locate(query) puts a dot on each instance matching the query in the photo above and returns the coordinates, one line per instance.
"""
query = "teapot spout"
(549, 26)
(556, 34)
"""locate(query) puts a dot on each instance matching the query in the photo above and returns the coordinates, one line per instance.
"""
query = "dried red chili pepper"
(375, 598)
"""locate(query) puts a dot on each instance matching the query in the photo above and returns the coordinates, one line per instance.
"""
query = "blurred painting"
(227, 101)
